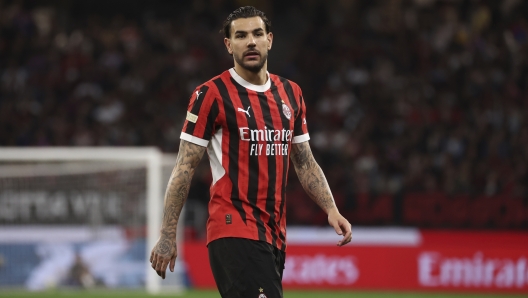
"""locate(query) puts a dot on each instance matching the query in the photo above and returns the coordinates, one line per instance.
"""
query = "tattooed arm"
(314, 183)
(164, 252)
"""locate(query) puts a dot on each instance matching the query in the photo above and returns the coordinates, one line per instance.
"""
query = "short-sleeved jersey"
(248, 131)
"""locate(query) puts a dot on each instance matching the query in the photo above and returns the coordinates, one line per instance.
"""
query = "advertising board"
(394, 259)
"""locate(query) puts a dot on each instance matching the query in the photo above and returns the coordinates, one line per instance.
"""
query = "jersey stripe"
(230, 116)
(272, 170)
(285, 163)
(197, 105)
(253, 170)
(211, 118)
(264, 173)
(219, 139)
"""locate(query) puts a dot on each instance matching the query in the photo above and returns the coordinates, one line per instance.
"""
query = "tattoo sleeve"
(188, 158)
(311, 176)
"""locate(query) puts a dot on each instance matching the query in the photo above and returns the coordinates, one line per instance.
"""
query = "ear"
(270, 40)
(227, 43)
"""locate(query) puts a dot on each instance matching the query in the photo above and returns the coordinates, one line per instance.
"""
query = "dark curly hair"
(244, 12)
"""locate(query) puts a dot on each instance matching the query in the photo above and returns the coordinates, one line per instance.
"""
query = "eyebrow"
(254, 30)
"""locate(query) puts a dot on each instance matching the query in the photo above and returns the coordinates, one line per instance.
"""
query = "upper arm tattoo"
(311, 176)
(301, 156)
(189, 157)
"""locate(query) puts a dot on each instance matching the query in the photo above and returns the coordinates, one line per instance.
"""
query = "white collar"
(248, 85)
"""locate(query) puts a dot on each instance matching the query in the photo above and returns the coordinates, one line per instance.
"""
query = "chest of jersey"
(260, 117)
(262, 121)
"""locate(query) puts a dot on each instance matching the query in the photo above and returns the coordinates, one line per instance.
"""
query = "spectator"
(409, 95)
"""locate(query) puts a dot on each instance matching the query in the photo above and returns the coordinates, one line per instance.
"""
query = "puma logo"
(245, 111)
(197, 94)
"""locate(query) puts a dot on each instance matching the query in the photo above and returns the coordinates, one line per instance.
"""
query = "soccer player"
(251, 123)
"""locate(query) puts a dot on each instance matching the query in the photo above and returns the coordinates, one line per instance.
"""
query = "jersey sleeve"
(300, 128)
(201, 116)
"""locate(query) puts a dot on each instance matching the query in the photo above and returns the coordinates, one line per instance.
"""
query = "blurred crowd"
(406, 95)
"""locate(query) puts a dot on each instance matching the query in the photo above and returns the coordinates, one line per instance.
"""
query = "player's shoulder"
(223, 75)
(210, 85)
(284, 81)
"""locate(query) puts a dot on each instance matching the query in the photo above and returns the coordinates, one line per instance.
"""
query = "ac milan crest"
(287, 112)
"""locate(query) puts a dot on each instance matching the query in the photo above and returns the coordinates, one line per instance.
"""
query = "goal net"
(82, 217)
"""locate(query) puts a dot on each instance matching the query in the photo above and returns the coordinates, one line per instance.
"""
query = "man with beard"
(250, 122)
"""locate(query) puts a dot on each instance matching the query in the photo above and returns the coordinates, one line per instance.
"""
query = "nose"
(251, 40)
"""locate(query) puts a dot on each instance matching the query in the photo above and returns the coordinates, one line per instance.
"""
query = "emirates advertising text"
(442, 262)
(258, 136)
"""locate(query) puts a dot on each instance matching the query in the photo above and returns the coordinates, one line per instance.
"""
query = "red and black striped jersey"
(248, 131)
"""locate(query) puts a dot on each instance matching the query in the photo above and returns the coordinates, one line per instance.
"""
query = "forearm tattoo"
(189, 157)
(311, 176)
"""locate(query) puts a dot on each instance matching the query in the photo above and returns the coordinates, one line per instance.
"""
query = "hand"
(163, 254)
(341, 226)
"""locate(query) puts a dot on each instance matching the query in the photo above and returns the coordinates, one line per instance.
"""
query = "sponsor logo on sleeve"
(191, 117)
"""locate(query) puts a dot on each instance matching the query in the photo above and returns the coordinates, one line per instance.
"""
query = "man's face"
(249, 43)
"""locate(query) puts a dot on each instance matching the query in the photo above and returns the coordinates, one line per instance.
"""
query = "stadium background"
(417, 110)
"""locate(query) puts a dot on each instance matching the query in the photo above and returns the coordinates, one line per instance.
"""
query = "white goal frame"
(153, 161)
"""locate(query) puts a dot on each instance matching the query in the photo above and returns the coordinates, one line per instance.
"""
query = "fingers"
(154, 262)
(159, 264)
(163, 267)
(338, 230)
(341, 226)
(347, 237)
(172, 264)
(335, 224)
(161, 257)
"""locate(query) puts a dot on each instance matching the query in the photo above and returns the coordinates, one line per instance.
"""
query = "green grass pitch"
(214, 294)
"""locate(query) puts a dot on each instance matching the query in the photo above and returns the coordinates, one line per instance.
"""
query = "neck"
(255, 78)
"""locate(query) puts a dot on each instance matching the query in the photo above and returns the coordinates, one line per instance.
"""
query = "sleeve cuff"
(300, 139)
(194, 140)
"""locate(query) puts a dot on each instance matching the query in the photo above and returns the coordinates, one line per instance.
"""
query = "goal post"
(28, 166)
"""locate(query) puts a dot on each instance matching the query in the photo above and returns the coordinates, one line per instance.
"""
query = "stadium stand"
(417, 109)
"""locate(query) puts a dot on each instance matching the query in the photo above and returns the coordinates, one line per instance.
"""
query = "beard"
(252, 67)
